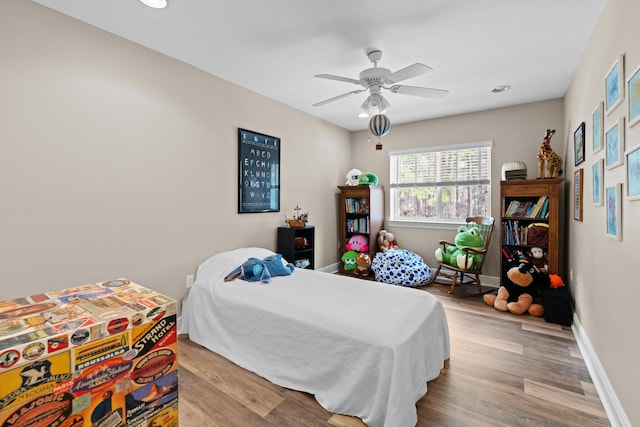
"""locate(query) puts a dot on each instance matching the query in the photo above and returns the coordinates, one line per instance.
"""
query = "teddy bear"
(524, 282)
(454, 255)
(358, 243)
(363, 265)
(386, 241)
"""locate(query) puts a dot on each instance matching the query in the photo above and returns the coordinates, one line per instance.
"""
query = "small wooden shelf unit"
(297, 244)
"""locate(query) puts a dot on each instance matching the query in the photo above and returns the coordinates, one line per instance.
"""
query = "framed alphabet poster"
(259, 172)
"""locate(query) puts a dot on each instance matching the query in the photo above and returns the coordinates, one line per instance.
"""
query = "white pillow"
(219, 265)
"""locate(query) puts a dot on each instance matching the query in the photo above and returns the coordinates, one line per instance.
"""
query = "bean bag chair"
(401, 267)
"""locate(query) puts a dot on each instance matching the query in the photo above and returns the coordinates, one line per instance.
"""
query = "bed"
(362, 348)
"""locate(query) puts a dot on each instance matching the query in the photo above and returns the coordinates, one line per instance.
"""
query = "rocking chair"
(460, 276)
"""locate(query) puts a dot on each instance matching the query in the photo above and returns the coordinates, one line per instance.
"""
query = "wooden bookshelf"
(528, 205)
(361, 212)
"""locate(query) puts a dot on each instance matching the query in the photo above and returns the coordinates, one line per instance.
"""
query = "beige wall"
(116, 161)
(516, 132)
(604, 282)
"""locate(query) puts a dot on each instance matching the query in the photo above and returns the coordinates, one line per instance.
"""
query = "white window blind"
(441, 184)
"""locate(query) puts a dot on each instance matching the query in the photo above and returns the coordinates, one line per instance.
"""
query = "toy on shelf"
(539, 259)
(549, 162)
(368, 178)
(299, 220)
(353, 177)
(358, 243)
(555, 281)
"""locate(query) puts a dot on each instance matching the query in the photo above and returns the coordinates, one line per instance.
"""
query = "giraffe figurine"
(549, 162)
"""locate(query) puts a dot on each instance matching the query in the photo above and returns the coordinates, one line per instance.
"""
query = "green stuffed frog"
(455, 256)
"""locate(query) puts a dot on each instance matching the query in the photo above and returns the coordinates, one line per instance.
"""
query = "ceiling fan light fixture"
(155, 4)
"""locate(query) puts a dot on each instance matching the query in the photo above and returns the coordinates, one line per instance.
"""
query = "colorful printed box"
(98, 355)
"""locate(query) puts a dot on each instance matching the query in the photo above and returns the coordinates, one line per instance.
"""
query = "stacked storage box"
(99, 355)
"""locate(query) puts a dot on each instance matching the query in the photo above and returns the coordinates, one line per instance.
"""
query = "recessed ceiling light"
(502, 88)
(156, 4)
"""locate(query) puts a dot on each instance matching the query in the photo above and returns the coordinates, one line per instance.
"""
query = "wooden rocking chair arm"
(474, 250)
(446, 242)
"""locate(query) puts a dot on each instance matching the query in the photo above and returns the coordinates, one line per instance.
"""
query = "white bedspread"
(360, 347)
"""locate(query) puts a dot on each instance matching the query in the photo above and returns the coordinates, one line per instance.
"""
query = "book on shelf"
(516, 233)
(545, 210)
(357, 225)
(356, 205)
(527, 208)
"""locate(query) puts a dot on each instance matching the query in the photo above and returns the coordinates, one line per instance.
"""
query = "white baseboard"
(331, 268)
(610, 402)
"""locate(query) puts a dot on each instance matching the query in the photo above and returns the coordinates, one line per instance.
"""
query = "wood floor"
(505, 370)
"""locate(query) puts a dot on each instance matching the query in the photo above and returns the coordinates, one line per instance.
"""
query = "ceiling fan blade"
(426, 92)
(338, 78)
(405, 73)
(335, 98)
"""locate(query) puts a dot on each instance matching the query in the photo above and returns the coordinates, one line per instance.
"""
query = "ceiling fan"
(376, 78)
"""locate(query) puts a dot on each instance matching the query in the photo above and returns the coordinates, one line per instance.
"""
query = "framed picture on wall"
(598, 182)
(633, 173)
(577, 194)
(633, 97)
(259, 172)
(614, 85)
(598, 127)
(614, 141)
(578, 144)
(614, 211)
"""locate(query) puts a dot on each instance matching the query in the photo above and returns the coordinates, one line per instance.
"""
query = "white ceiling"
(275, 47)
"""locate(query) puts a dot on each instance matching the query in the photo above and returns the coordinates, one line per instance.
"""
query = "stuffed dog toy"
(524, 282)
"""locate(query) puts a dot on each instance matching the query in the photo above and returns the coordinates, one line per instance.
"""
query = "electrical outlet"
(189, 281)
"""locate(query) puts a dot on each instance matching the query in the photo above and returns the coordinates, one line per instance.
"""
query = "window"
(440, 184)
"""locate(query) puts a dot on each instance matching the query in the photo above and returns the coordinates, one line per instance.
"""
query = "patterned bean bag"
(401, 267)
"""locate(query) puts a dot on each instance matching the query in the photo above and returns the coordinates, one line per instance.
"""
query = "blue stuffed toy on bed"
(255, 269)
(401, 267)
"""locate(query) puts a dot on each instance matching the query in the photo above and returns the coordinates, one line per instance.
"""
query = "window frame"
(439, 223)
